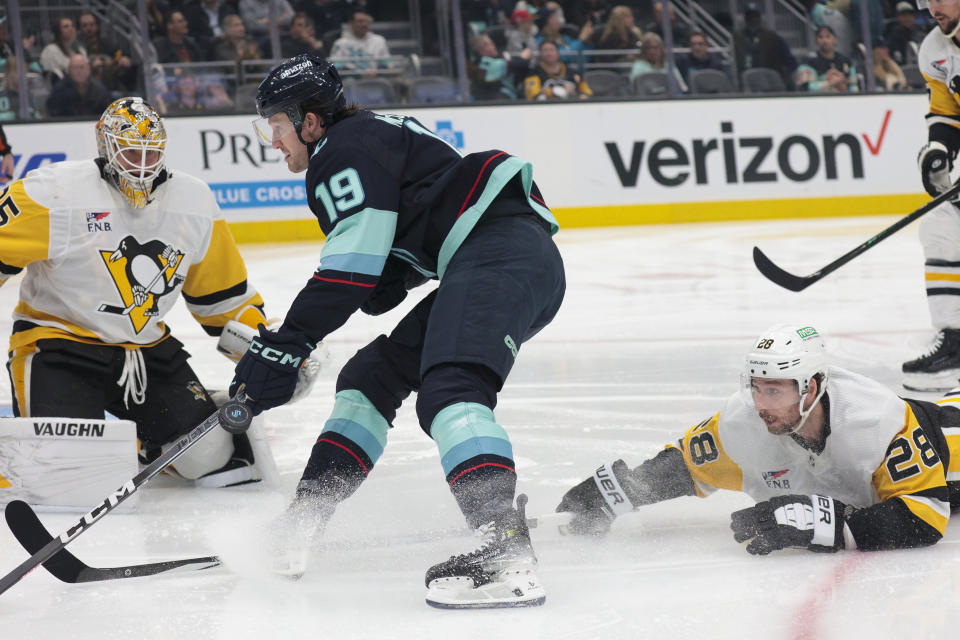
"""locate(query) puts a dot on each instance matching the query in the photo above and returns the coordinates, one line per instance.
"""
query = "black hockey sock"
(483, 490)
(336, 468)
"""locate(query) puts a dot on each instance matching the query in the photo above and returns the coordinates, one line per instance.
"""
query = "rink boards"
(597, 163)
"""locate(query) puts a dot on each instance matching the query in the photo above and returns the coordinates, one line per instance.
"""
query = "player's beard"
(951, 29)
(778, 425)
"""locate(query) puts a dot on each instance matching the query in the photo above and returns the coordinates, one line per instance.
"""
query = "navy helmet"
(300, 79)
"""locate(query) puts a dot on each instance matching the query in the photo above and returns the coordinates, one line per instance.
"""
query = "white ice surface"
(648, 343)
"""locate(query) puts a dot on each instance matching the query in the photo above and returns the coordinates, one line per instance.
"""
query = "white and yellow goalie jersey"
(100, 272)
(939, 62)
(878, 449)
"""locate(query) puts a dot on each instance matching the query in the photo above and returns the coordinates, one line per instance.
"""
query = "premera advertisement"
(596, 163)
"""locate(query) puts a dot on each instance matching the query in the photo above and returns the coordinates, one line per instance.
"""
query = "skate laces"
(134, 377)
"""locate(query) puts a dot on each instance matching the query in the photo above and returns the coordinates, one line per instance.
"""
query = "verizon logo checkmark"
(875, 149)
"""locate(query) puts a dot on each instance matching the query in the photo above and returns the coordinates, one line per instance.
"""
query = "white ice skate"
(501, 572)
(294, 533)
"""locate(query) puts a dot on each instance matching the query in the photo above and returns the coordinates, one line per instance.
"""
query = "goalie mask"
(131, 142)
(785, 352)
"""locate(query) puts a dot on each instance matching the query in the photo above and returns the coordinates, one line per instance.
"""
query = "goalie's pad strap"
(612, 492)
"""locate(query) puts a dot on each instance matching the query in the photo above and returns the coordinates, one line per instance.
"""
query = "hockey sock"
(351, 442)
(477, 458)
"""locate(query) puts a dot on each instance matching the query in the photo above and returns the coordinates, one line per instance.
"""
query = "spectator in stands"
(78, 93)
(595, 12)
(256, 16)
(8, 50)
(827, 70)
(550, 23)
(234, 43)
(10, 94)
(823, 14)
(55, 57)
(109, 61)
(677, 27)
(888, 73)
(618, 33)
(359, 48)
(204, 18)
(756, 46)
(481, 14)
(902, 32)
(327, 15)
(301, 39)
(653, 59)
(522, 35)
(699, 57)
(492, 74)
(176, 45)
(552, 80)
(185, 97)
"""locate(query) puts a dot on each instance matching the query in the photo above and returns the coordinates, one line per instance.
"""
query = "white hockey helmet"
(131, 142)
(787, 352)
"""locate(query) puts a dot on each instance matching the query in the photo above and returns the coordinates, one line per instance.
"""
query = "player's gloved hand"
(812, 522)
(596, 501)
(395, 280)
(935, 165)
(270, 368)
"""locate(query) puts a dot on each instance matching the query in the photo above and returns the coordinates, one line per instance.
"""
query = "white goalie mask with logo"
(786, 352)
(131, 142)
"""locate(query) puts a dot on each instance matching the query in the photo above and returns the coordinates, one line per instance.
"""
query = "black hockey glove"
(596, 501)
(270, 368)
(397, 277)
(935, 162)
(812, 522)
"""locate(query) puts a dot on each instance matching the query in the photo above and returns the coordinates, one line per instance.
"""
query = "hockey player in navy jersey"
(400, 206)
(834, 460)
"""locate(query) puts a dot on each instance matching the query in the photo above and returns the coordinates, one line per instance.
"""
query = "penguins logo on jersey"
(955, 84)
(142, 273)
(197, 389)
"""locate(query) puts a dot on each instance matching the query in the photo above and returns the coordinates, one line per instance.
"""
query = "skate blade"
(942, 381)
(513, 589)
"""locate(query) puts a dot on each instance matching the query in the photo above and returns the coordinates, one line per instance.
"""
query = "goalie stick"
(66, 567)
(793, 282)
(234, 413)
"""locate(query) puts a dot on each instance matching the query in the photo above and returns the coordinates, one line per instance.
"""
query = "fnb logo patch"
(95, 221)
(775, 479)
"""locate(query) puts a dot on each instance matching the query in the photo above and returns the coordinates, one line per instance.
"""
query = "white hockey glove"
(235, 340)
(935, 162)
(812, 522)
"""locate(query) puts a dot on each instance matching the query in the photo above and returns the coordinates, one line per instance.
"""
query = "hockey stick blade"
(775, 274)
(109, 503)
(798, 283)
(66, 567)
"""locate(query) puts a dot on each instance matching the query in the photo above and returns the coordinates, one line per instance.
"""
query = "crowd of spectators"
(627, 37)
(517, 50)
(79, 71)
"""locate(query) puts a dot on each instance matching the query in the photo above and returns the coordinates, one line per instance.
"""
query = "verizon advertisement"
(584, 154)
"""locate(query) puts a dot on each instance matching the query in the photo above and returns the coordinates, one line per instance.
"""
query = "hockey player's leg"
(938, 367)
(456, 401)
(370, 389)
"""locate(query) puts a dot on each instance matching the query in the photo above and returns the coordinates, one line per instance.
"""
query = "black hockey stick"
(798, 283)
(66, 567)
(232, 415)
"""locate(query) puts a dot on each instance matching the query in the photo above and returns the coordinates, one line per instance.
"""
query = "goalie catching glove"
(812, 522)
